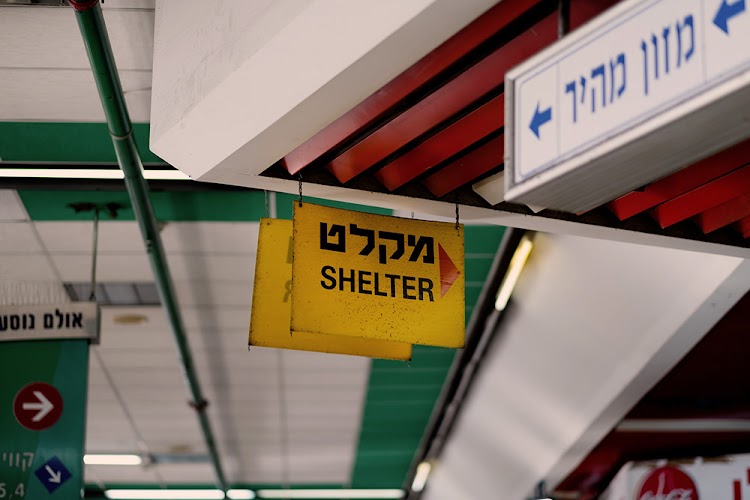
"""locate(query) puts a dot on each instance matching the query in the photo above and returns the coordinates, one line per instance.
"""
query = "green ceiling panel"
(476, 270)
(218, 206)
(472, 295)
(382, 445)
(416, 378)
(375, 476)
(422, 392)
(374, 459)
(285, 203)
(483, 240)
(66, 142)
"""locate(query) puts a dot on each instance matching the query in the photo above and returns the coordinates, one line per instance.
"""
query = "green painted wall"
(64, 365)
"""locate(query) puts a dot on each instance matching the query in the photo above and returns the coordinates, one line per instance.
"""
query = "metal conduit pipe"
(95, 37)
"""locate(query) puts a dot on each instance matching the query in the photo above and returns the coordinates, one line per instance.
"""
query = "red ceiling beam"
(461, 135)
(455, 138)
(681, 182)
(724, 214)
(713, 194)
(448, 142)
(427, 68)
(445, 102)
(466, 168)
(582, 11)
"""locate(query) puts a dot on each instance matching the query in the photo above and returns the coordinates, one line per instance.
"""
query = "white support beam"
(476, 215)
(238, 84)
(592, 327)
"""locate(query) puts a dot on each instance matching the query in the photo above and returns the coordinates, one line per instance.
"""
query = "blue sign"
(728, 10)
(608, 82)
(53, 474)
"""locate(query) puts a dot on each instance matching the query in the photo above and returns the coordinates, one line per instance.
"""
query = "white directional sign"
(640, 92)
(73, 320)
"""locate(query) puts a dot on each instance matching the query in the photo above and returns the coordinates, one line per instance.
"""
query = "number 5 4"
(19, 493)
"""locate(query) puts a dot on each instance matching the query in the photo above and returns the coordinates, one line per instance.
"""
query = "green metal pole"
(94, 32)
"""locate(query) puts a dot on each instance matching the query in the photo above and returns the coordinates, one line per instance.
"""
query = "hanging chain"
(456, 215)
(300, 189)
(563, 18)
(92, 293)
(268, 206)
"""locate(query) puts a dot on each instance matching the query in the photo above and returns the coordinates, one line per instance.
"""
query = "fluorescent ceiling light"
(90, 173)
(514, 272)
(165, 494)
(420, 477)
(330, 494)
(103, 459)
(234, 494)
(240, 494)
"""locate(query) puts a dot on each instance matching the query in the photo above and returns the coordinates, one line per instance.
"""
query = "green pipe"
(94, 32)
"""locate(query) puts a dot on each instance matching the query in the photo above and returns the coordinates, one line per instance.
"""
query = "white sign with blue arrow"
(592, 96)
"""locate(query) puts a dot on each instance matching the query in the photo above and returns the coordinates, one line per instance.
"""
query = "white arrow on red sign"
(37, 406)
(44, 406)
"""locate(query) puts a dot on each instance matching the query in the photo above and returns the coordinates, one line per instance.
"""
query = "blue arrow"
(540, 118)
(726, 12)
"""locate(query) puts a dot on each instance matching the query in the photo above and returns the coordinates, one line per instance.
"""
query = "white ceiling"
(279, 417)
(44, 70)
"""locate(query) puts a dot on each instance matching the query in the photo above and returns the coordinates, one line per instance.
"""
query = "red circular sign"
(668, 483)
(38, 406)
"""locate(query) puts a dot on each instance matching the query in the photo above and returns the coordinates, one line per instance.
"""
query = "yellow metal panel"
(271, 310)
(377, 277)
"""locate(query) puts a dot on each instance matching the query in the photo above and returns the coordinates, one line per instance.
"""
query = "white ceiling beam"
(240, 84)
(592, 326)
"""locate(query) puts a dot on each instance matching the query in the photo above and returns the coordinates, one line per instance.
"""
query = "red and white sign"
(721, 478)
(38, 406)
(668, 483)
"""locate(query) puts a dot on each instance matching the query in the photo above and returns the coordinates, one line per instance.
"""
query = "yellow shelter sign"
(271, 309)
(377, 277)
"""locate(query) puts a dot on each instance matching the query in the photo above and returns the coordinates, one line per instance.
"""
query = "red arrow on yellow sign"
(448, 271)
(375, 276)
